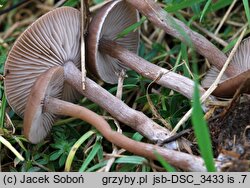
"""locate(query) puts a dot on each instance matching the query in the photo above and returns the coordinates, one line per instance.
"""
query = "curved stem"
(118, 109)
(149, 70)
(178, 29)
(179, 159)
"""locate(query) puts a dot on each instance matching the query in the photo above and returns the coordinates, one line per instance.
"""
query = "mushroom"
(109, 55)
(54, 40)
(44, 103)
(44, 44)
(228, 85)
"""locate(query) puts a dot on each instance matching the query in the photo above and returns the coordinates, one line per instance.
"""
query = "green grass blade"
(164, 163)
(201, 131)
(246, 6)
(71, 3)
(2, 3)
(219, 5)
(131, 160)
(97, 166)
(131, 28)
(230, 45)
(173, 7)
(75, 148)
(97, 146)
(207, 5)
(184, 54)
(137, 136)
(2, 111)
(199, 124)
(98, 1)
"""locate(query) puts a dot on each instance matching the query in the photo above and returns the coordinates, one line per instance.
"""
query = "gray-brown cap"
(50, 41)
(228, 85)
(108, 22)
(37, 120)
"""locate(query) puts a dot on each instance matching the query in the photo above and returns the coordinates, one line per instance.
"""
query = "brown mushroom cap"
(50, 41)
(109, 21)
(228, 86)
(37, 120)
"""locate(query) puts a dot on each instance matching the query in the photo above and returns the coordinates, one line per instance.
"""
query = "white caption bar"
(47, 180)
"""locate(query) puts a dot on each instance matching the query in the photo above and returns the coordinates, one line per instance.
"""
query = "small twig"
(211, 35)
(233, 23)
(152, 36)
(160, 36)
(238, 32)
(175, 137)
(122, 75)
(115, 151)
(152, 107)
(116, 155)
(10, 123)
(147, 40)
(83, 18)
(188, 69)
(218, 103)
(225, 17)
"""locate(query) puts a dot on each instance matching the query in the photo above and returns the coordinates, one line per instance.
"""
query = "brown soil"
(230, 133)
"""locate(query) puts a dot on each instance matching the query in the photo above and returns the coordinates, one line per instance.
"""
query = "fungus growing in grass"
(44, 103)
(111, 20)
(54, 40)
(229, 85)
(48, 80)
(108, 55)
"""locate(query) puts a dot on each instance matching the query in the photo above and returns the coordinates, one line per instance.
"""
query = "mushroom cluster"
(53, 40)
(43, 78)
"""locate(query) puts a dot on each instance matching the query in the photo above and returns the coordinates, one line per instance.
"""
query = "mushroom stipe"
(118, 109)
(43, 103)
